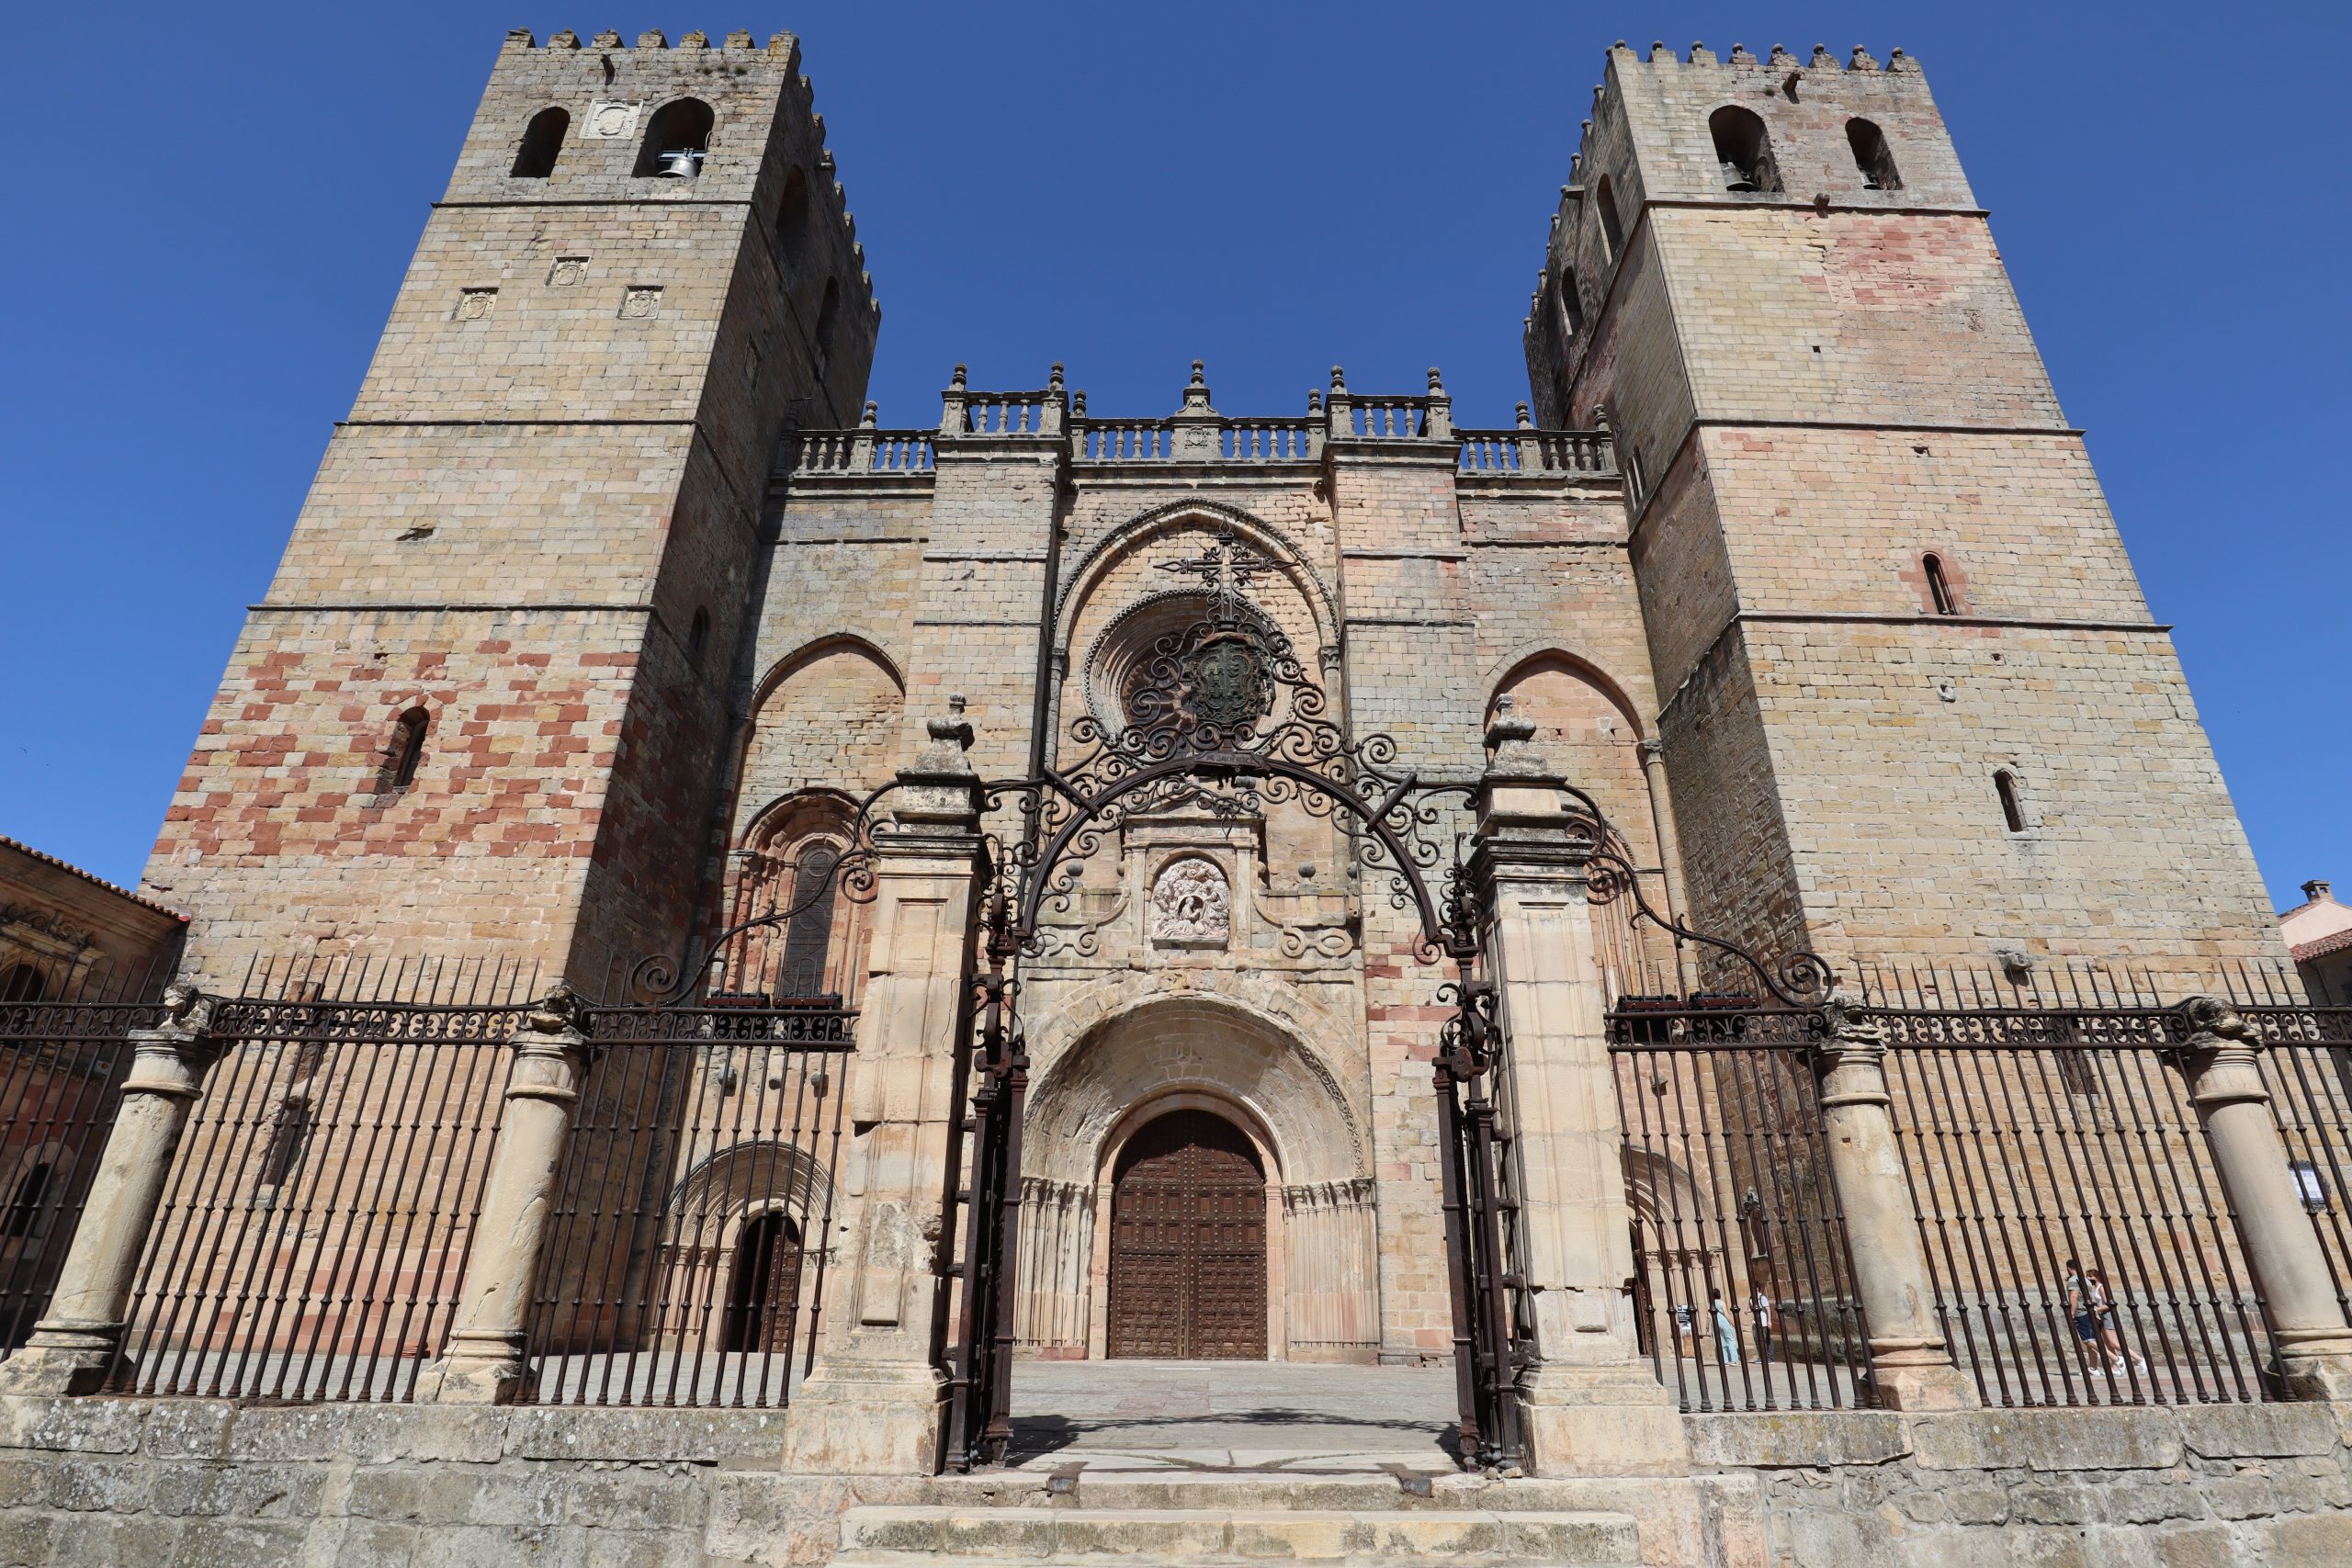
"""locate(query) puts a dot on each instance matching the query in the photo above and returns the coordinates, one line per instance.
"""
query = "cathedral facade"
(614, 603)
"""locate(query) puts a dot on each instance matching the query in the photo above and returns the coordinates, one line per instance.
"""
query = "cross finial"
(1225, 569)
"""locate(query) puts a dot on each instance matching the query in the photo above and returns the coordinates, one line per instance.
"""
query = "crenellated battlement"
(1780, 58)
(781, 45)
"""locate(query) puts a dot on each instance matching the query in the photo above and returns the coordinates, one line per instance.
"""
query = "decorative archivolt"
(746, 1179)
(1210, 516)
(1132, 1040)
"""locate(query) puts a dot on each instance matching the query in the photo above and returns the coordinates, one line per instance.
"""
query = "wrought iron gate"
(1221, 716)
(1473, 1190)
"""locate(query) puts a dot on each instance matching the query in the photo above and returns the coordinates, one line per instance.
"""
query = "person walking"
(2080, 1313)
(1683, 1320)
(1761, 1309)
(2110, 1326)
(1726, 1331)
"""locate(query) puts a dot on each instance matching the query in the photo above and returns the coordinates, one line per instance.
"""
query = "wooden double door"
(1188, 1243)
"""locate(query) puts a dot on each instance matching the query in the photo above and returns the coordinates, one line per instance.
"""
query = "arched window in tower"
(1742, 150)
(1612, 231)
(542, 140)
(2005, 785)
(792, 217)
(827, 317)
(1871, 156)
(1571, 304)
(676, 139)
(1939, 586)
(404, 752)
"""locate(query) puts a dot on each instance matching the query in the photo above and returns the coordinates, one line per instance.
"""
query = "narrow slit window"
(1871, 156)
(828, 316)
(698, 637)
(24, 1204)
(792, 217)
(404, 753)
(1571, 305)
(542, 141)
(290, 1136)
(1613, 233)
(1938, 587)
(2005, 785)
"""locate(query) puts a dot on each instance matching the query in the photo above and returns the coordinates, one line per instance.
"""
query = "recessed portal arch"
(1098, 1098)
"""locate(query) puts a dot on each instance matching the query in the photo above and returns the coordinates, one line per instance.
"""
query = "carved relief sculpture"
(1190, 906)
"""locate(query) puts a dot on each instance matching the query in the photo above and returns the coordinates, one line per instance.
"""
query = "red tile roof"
(47, 859)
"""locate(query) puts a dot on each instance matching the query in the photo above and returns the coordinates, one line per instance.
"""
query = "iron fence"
(64, 1050)
(2081, 1248)
(686, 1255)
(315, 1224)
(2308, 1067)
(1743, 1287)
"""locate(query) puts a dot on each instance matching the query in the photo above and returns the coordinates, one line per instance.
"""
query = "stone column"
(1591, 1404)
(483, 1362)
(76, 1338)
(1670, 849)
(1911, 1364)
(874, 1404)
(2282, 1249)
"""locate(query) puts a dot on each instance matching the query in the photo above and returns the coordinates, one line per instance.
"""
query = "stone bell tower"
(480, 709)
(1914, 706)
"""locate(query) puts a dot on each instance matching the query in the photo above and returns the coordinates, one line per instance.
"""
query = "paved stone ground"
(1230, 1414)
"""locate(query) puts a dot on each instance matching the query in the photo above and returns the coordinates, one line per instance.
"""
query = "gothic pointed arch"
(826, 717)
(1507, 672)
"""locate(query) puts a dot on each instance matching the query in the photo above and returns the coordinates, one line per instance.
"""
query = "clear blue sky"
(215, 205)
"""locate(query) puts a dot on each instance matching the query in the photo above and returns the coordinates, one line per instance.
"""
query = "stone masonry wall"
(1823, 384)
(538, 524)
(99, 1482)
(2197, 1487)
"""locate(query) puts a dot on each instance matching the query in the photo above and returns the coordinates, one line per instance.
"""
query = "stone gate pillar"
(875, 1403)
(487, 1357)
(1591, 1402)
(2282, 1249)
(1911, 1365)
(78, 1336)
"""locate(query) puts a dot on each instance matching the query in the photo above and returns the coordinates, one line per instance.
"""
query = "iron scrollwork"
(1798, 979)
(1221, 716)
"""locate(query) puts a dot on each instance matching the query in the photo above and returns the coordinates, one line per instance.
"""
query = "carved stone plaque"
(641, 304)
(608, 120)
(569, 271)
(1190, 906)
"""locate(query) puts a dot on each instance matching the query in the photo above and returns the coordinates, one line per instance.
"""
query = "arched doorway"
(1188, 1242)
(764, 1285)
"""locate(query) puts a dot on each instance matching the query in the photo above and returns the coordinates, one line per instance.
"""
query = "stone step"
(878, 1537)
(1092, 1488)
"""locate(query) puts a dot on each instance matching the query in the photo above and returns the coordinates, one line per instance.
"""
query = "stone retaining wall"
(203, 1481)
(2201, 1487)
(104, 1483)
